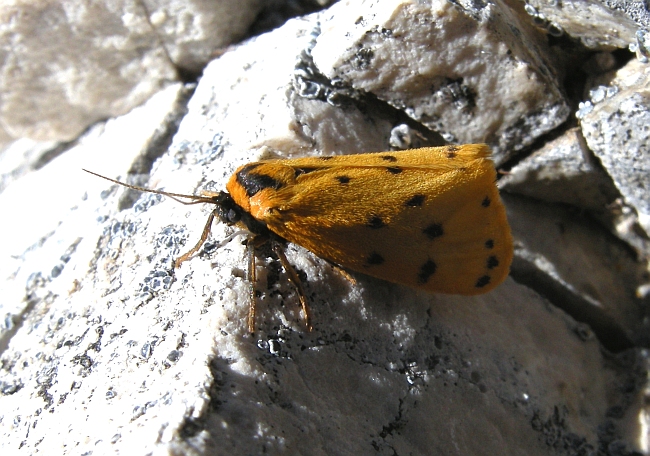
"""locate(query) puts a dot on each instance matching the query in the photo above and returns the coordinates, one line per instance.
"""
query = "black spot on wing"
(374, 259)
(482, 281)
(426, 271)
(492, 262)
(415, 200)
(489, 244)
(301, 171)
(325, 158)
(451, 151)
(375, 222)
(389, 158)
(486, 202)
(253, 182)
(394, 169)
(433, 231)
(343, 179)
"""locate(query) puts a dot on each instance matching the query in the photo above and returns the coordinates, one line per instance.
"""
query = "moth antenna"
(197, 246)
(196, 199)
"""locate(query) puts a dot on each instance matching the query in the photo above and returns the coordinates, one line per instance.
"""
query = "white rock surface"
(105, 348)
(597, 24)
(615, 126)
(66, 65)
(565, 171)
(474, 73)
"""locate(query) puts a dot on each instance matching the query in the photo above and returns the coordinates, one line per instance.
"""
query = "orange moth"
(428, 218)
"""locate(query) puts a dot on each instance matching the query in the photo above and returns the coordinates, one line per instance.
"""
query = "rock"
(106, 348)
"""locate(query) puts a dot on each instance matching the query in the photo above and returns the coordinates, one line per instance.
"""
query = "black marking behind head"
(433, 231)
(426, 271)
(394, 169)
(489, 244)
(389, 158)
(415, 200)
(482, 281)
(343, 179)
(374, 259)
(486, 202)
(254, 183)
(374, 221)
(492, 262)
(325, 158)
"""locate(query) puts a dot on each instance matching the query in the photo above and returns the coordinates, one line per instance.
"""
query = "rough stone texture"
(596, 279)
(192, 32)
(597, 24)
(66, 65)
(562, 171)
(616, 127)
(105, 348)
(484, 62)
(565, 171)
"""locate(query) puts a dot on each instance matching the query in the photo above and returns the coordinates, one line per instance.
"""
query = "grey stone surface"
(66, 65)
(579, 267)
(565, 171)
(598, 24)
(474, 72)
(615, 123)
(105, 348)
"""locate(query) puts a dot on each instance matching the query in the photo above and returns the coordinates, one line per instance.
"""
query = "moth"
(429, 218)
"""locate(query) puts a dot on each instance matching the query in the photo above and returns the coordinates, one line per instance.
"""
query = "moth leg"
(343, 273)
(204, 236)
(252, 279)
(251, 245)
(293, 277)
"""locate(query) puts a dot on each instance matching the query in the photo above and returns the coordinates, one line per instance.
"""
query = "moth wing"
(429, 218)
